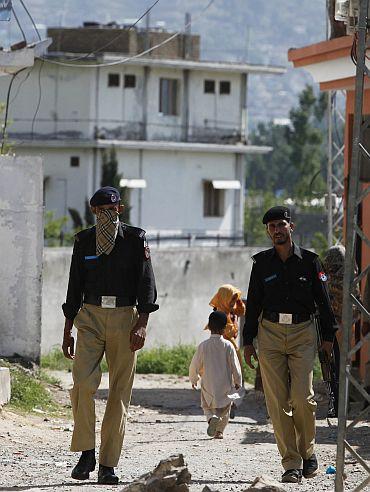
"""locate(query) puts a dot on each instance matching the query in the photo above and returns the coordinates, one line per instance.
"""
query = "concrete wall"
(21, 242)
(121, 41)
(186, 281)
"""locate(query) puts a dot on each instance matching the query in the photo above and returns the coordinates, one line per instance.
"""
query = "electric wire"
(128, 59)
(39, 100)
(31, 18)
(19, 25)
(354, 49)
(5, 124)
(20, 86)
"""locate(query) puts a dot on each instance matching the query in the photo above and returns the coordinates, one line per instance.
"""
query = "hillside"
(247, 30)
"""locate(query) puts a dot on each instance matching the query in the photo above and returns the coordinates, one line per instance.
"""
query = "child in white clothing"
(216, 362)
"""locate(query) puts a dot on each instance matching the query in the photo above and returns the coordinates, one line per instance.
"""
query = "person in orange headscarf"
(229, 300)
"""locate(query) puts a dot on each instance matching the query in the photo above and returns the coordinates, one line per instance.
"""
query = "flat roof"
(146, 145)
(211, 66)
(323, 51)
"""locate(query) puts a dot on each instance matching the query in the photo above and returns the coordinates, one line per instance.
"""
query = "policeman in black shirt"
(111, 292)
(286, 287)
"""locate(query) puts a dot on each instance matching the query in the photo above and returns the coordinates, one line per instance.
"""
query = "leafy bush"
(29, 390)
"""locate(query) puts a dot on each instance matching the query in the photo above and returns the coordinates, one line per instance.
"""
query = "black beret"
(277, 213)
(105, 196)
(217, 318)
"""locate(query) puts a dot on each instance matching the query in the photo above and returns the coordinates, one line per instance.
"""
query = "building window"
(130, 81)
(75, 161)
(113, 80)
(209, 87)
(168, 96)
(213, 200)
(225, 87)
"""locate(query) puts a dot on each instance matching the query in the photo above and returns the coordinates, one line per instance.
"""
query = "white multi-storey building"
(178, 125)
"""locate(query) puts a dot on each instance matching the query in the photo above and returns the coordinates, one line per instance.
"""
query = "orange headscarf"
(229, 300)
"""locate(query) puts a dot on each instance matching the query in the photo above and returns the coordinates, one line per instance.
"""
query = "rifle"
(329, 369)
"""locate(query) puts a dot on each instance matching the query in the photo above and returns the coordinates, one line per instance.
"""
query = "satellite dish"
(5, 10)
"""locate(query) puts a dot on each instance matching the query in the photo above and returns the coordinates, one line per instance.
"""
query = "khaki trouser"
(286, 357)
(222, 413)
(101, 330)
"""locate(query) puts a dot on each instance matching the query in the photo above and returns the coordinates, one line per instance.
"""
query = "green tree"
(306, 139)
(295, 166)
(111, 177)
(255, 205)
(53, 230)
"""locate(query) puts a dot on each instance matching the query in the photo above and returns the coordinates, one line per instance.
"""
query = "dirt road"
(165, 419)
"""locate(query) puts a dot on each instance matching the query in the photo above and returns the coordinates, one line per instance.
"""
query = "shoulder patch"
(146, 250)
(322, 276)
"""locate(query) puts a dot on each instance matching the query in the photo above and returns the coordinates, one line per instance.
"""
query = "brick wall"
(85, 40)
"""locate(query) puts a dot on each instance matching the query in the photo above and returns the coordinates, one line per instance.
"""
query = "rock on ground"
(170, 475)
(265, 484)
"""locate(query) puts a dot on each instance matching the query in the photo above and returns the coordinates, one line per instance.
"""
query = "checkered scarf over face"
(106, 230)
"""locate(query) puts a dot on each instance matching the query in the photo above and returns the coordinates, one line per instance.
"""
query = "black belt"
(120, 301)
(296, 317)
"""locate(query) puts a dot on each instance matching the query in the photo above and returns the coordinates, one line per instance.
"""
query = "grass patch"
(166, 360)
(317, 375)
(29, 389)
(55, 361)
(159, 360)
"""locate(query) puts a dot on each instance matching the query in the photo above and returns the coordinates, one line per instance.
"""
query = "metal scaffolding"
(355, 195)
(335, 187)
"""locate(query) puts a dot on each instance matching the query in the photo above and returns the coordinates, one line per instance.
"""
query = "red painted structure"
(330, 64)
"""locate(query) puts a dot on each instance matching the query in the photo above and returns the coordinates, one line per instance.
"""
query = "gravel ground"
(164, 419)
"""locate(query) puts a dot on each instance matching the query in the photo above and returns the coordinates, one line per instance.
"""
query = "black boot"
(107, 476)
(310, 467)
(85, 465)
(294, 475)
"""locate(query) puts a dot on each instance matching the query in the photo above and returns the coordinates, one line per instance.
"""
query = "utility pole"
(147, 31)
(187, 42)
(355, 195)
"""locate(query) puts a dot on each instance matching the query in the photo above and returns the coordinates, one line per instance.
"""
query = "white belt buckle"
(285, 318)
(108, 302)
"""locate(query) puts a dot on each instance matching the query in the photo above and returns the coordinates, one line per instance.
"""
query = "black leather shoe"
(85, 465)
(292, 476)
(310, 467)
(107, 476)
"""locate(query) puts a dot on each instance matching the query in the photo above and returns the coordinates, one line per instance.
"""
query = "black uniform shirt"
(296, 286)
(125, 272)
